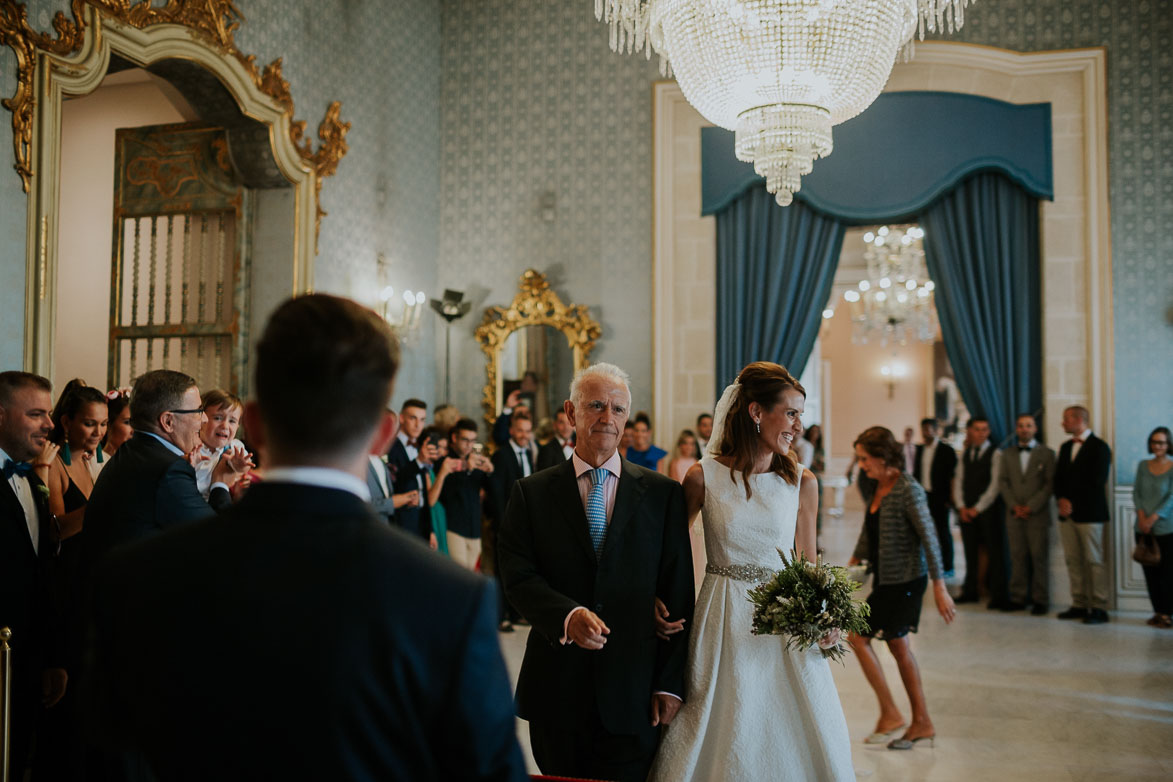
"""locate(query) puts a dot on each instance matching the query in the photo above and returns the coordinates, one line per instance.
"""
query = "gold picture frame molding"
(74, 62)
(536, 304)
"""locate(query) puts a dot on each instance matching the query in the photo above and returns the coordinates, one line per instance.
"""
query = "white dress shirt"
(524, 458)
(990, 494)
(24, 493)
(1024, 453)
(1086, 433)
(412, 452)
(926, 464)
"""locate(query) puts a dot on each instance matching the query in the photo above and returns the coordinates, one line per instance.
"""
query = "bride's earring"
(758, 424)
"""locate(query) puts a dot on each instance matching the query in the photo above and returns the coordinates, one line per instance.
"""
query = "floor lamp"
(451, 308)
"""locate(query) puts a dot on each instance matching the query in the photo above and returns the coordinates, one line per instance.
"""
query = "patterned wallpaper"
(382, 60)
(533, 101)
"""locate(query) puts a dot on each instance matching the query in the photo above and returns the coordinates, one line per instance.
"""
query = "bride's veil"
(719, 414)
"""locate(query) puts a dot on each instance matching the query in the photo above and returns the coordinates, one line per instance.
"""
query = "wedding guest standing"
(1026, 481)
(900, 544)
(118, 428)
(461, 478)
(704, 431)
(298, 636)
(79, 424)
(642, 451)
(934, 466)
(27, 545)
(983, 528)
(1081, 477)
(560, 446)
(684, 455)
(1152, 493)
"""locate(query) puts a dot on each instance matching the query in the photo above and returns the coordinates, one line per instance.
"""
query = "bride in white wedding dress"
(753, 709)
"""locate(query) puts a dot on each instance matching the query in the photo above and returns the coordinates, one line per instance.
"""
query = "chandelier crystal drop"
(779, 73)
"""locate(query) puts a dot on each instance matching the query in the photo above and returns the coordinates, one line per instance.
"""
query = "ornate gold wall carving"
(214, 22)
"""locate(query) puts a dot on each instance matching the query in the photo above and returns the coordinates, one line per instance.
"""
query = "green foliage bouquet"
(806, 600)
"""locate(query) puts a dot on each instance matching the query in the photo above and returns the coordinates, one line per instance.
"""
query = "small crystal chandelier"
(895, 302)
(779, 73)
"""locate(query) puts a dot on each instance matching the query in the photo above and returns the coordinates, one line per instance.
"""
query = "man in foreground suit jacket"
(934, 465)
(1081, 476)
(1026, 481)
(595, 683)
(27, 544)
(285, 639)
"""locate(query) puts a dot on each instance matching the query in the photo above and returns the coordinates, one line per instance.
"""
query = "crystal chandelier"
(895, 301)
(779, 73)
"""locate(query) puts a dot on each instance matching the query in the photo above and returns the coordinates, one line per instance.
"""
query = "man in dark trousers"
(983, 528)
(285, 639)
(27, 545)
(1081, 477)
(511, 462)
(934, 465)
(585, 549)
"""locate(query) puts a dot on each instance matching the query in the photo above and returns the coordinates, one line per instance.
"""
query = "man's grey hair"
(608, 372)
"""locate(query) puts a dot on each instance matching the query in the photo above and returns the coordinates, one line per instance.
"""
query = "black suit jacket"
(1084, 480)
(548, 567)
(25, 605)
(144, 490)
(406, 476)
(550, 454)
(506, 472)
(287, 639)
(941, 473)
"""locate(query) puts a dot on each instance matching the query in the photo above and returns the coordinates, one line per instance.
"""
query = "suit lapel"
(566, 496)
(13, 510)
(627, 497)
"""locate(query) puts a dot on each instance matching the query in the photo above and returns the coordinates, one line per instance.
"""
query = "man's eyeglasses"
(186, 412)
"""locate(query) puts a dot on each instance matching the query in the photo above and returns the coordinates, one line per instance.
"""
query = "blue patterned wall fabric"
(382, 60)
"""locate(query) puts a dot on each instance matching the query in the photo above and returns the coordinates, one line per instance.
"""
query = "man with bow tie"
(1025, 482)
(27, 544)
(407, 472)
(1081, 475)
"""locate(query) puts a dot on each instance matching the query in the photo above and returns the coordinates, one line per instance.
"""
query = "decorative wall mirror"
(535, 345)
(188, 273)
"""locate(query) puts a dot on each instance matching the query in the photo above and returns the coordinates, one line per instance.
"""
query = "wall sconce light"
(407, 321)
(892, 372)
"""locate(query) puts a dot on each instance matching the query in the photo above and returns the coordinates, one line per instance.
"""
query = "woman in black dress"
(897, 536)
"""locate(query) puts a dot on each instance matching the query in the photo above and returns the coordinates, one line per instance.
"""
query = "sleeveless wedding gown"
(754, 711)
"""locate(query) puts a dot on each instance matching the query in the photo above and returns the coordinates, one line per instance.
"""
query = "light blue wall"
(382, 60)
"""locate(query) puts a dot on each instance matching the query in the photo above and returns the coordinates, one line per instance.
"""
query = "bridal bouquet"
(805, 600)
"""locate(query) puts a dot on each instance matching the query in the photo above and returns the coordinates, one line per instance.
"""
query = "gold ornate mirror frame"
(75, 62)
(535, 304)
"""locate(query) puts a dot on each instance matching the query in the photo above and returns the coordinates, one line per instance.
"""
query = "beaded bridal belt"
(752, 573)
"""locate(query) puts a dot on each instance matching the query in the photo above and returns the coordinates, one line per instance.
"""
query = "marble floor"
(1013, 697)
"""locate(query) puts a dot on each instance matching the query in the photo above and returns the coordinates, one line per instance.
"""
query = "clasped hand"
(587, 630)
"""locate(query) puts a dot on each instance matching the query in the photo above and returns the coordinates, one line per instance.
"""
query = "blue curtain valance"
(906, 150)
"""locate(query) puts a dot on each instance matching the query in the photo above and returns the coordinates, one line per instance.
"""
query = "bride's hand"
(665, 629)
(832, 638)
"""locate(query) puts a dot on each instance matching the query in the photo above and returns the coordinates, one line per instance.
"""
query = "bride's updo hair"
(762, 382)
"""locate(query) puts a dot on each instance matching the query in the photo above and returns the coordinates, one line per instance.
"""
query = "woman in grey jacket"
(897, 535)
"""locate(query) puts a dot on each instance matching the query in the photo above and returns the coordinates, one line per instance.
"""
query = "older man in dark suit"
(285, 639)
(1081, 477)
(27, 544)
(585, 549)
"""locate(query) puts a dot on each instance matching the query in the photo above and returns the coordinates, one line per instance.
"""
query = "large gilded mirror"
(211, 216)
(534, 346)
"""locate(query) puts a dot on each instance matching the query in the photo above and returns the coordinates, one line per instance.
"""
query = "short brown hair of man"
(14, 380)
(155, 393)
(762, 382)
(880, 443)
(325, 371)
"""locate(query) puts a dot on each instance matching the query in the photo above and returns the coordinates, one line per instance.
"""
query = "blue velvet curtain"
(775, 267)
(982, 251)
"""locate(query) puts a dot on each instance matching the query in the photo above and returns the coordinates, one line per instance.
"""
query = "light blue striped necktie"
(596, 509)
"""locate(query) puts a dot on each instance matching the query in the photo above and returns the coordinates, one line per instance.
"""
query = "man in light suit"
(1081, 477)
(286, 638)
(1026, 480)
(585, 549)
(27, 545)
